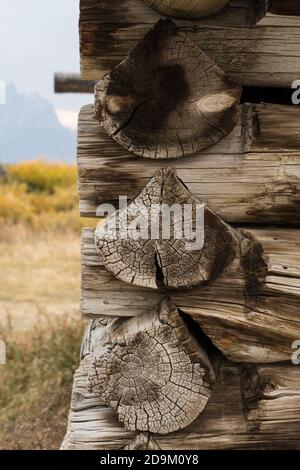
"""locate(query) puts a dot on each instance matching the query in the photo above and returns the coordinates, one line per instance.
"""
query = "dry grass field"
(39, 301)
(39, 273)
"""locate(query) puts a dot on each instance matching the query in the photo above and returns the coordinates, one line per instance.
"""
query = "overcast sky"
(37, 39)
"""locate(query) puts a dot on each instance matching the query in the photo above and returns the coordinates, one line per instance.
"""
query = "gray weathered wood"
(248, 319)
(271, 391)
(152, 370)
(249, 177)
(71, 83)
(180, 260)
(267, 55)
(252, 407)
(250, 309)
(167, 99)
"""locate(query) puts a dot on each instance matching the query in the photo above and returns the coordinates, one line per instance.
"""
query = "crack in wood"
(231, 419)
(176, 258)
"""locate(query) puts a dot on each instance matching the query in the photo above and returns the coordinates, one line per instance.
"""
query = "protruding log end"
(166, 238)
(167, 99)
(72, 83)
(187, 8)
(153, 372)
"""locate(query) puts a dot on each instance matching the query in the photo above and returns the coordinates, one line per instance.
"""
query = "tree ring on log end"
(167, 99)
(187, 8)
(152, 371)
(143, 257)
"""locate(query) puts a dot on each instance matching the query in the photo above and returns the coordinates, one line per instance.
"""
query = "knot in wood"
(152, 371)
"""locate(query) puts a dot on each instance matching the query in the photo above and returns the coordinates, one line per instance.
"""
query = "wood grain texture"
(249, 177)
(267, 55)
(71, 83)
(268, 390)
(249, 317)
(166, 238)
(187, 8)
(152, 371)
(167, 99)
(252, 407)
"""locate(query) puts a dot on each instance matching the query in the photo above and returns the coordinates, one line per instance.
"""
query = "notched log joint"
(183, 259)
(152, 371)
(167, 99)
(176, 262)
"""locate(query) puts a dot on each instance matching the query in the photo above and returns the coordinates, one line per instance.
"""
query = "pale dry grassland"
(40, 323)
(39, 302)
(39, 273)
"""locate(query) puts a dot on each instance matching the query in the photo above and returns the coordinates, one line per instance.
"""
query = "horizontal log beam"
(246, 326)
(72, 83)
(251, 56)
(249, 177)
(252, 407)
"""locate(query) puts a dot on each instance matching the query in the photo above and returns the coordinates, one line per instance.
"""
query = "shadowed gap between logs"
(214, 354)
(258, 95)
(71, 83)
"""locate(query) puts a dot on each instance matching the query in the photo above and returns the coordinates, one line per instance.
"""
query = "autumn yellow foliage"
(39, 301)
(40, 176)
(41, 195)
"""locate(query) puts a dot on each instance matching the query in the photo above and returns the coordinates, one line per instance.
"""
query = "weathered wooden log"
(269, 391)
(186, 8)
(166, 238)
(167, 99)
(71, 83)
(251, 176)
(250, 312)
(152, 371)
(249, 56)
(252, 407)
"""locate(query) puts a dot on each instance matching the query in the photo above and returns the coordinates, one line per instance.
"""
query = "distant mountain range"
(29, 128)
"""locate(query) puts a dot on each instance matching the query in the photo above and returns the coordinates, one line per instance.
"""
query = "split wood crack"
(154, 378)
(173, 263)
(140, 365)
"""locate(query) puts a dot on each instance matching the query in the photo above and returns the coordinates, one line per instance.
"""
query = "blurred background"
(40, 223)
